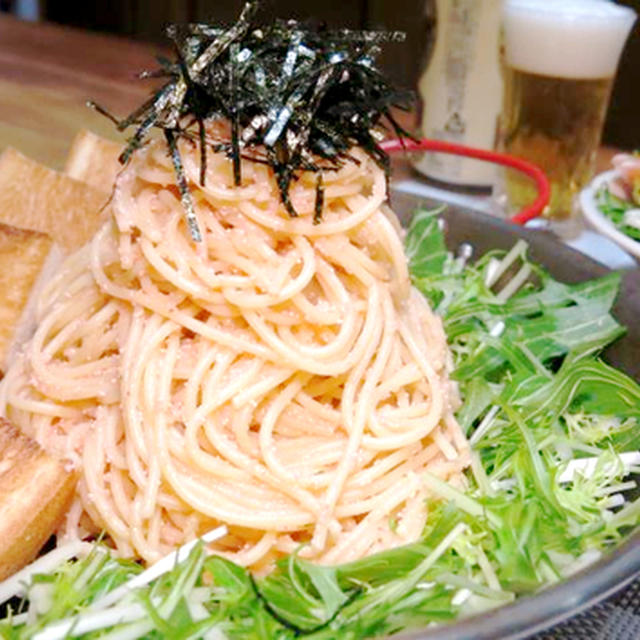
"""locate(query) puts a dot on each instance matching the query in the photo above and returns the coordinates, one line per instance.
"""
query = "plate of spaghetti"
(257, 399)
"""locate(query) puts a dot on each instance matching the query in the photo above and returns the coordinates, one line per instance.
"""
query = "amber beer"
(560, 62)
(556, 123)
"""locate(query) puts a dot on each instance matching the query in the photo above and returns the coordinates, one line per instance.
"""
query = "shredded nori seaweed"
(296, 97)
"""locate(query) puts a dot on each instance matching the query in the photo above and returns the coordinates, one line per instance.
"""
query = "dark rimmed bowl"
(616, 569)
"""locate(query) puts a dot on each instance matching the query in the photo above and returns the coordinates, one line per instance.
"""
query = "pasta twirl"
(282, 377)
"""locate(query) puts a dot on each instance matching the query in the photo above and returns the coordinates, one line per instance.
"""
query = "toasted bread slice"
(23, 254)
(35, 493)
(94, 161)
(35, 197)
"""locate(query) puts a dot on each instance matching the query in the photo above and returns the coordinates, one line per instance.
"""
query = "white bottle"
(461, 89)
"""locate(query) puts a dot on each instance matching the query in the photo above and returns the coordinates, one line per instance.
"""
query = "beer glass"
(560, 60)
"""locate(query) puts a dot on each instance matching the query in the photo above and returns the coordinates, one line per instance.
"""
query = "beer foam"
(566, 38)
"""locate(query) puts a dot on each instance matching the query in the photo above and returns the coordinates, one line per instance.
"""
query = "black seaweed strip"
(317, 216)
(183, 187)
(296, 97)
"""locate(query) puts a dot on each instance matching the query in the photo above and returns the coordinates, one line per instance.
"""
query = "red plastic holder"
(531, 170)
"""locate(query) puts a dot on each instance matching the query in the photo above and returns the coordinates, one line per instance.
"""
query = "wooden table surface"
(47, 74)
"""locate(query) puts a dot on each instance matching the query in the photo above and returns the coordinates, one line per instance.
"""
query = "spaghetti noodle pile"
(282, 377)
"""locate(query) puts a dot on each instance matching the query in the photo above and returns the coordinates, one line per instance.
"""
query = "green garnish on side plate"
(555, 435)
(614, 209)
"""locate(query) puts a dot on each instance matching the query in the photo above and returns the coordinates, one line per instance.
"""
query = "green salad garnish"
(555, 436)
(614, 209)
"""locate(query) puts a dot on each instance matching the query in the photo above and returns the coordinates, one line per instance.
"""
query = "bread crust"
(23, 253)
(35, 493)
(94, 161)
(35, 197)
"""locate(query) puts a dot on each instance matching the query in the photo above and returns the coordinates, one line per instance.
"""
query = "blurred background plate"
(596, 219)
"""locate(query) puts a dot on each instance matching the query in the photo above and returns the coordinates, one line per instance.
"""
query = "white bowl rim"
(599, 221)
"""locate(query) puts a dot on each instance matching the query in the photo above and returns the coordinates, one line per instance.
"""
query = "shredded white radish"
(162, 566)
(18, 583)
(587, 466)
